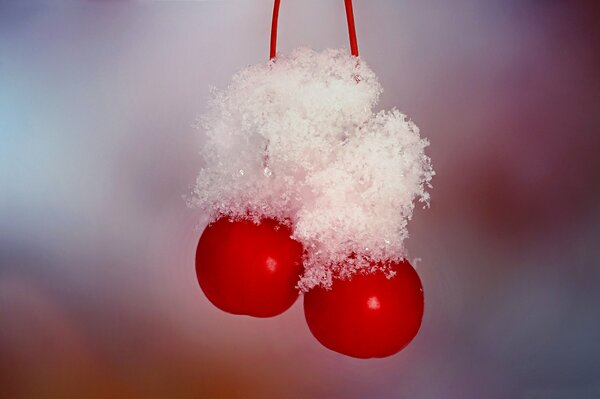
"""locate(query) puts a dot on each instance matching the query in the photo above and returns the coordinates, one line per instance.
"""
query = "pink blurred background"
(98, 294)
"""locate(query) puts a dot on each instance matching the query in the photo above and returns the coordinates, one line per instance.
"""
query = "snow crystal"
(297, 139)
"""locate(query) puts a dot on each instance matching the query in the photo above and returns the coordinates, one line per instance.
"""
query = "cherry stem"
(351, 28)
(349, 17)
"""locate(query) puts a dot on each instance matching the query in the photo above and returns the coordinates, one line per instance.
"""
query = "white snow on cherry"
(297, 139)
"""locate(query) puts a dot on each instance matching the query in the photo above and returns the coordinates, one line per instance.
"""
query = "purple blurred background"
(98, 294)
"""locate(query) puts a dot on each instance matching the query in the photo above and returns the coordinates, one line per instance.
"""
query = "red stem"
(274, 29)
(349, 17)
(351, 28)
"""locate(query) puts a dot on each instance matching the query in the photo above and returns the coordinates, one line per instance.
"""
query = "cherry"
(247, 268)
(368, 315)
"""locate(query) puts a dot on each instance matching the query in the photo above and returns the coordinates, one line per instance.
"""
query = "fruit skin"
(249, 269)
(369, 315)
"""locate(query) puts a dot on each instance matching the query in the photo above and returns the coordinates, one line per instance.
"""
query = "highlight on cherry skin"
(249, 269)
(367, 316)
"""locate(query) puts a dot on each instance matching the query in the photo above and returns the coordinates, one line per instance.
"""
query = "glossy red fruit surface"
(368, 315)
(249, 269)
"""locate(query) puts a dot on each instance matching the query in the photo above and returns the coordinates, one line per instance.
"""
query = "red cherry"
(249, 269)
(368, 315)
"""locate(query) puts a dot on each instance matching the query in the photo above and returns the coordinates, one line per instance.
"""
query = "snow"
(297, 139)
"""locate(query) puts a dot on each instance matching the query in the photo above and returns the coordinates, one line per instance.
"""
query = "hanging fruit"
(368, 315)
(249, 269)
(310, 190)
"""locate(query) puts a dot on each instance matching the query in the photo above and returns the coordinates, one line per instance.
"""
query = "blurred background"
(98, 293)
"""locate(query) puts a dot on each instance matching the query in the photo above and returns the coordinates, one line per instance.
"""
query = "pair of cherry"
(253, 269)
